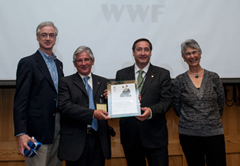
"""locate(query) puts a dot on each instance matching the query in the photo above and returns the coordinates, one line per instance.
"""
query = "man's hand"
(101, 115)
(145, 115)
(23, 141)
(105, 94)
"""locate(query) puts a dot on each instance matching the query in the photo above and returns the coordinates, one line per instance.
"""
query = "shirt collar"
(145, 69)
(46, 56)
(89, 75)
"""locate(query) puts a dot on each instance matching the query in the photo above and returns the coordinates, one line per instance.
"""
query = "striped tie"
(140, 81)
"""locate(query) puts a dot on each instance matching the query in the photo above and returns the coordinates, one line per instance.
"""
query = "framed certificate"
(123, 99)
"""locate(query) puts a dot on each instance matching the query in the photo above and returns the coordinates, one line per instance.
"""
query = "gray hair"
(190, 43)
(46, 23)
(82, 49)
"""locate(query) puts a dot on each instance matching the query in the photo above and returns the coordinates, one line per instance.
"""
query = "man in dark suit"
(35, 102)
(81, 142)
(146, 135)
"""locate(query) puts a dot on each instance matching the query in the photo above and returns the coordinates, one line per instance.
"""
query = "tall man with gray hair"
(35, 103)
(85, 134)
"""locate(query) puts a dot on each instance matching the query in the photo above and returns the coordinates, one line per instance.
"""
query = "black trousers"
(199, 150)
(92, 154)
(136, 154)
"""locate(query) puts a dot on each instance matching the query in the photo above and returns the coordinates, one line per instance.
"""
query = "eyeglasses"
(189, 53)
(45, 35)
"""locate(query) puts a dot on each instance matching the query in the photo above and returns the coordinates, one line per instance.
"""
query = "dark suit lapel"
(43, 68)
(150, 76)
(59, 69)
(77, 80)
(96, 84)
(130, 73)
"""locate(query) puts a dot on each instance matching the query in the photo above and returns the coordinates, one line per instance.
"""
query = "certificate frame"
(123, 99)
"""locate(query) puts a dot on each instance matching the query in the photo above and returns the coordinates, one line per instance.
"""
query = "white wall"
(109, 28)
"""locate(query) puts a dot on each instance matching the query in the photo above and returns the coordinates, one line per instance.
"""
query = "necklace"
(196, 74)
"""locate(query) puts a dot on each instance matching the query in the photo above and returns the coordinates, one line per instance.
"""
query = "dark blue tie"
(91, 102)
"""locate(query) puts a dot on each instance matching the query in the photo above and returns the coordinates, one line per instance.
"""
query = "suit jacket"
(76, 115)
(156, 93)
(35, 98)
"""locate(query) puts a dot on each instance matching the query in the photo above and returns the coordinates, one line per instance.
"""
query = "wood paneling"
(116, 161)
(12, 163)
(8, 143)
(9, 155)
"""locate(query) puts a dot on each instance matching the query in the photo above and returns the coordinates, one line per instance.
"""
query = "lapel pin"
(152, 76)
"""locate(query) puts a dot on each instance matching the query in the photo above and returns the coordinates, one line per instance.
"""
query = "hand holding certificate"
(123, 99)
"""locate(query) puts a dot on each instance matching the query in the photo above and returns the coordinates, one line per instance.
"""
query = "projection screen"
(109, 28)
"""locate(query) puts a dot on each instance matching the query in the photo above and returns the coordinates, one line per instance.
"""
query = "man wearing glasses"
(35, 102)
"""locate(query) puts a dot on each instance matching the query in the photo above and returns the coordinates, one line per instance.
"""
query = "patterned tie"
(140, 81)
(91, 102)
